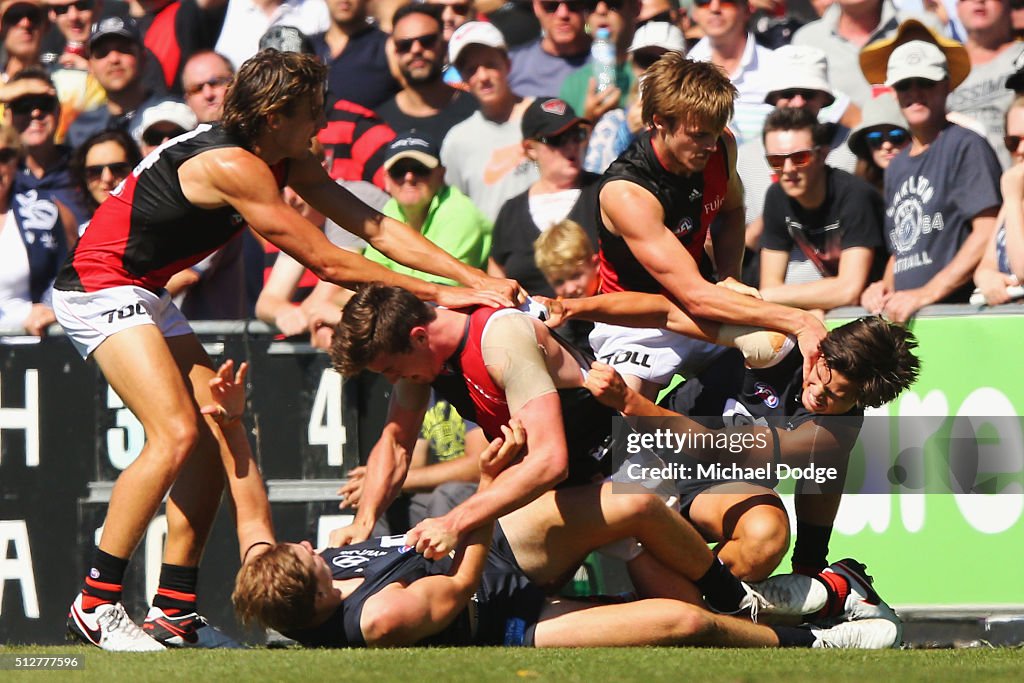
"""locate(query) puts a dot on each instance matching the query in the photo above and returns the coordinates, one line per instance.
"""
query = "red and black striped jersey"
(147, 230)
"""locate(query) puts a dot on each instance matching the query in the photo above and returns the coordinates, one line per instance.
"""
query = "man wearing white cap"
(484, 154)
(942, 192)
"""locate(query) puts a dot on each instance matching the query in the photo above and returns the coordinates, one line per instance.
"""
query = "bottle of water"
(602, 56)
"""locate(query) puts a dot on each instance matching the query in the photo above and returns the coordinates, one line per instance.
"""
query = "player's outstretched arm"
(388, 463)
(400, 616)
(392, 238)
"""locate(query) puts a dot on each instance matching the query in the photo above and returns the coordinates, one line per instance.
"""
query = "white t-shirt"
(245, 24)
(15, 297)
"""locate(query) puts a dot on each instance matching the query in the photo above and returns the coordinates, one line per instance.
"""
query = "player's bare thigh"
(718, 511)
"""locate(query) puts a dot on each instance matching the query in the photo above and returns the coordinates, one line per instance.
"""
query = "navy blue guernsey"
(379, 562)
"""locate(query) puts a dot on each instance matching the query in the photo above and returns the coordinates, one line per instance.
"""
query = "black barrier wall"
(65, 437)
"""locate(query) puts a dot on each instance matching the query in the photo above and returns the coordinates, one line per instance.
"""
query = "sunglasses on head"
(404, 167)
(118, 169)
(897, 137)
(801, 158)
(706, 3)
(1012, 142)
(24, 106)
(7, 155)
(217, 82)
(908, 83)
(81, 6)
(645, 59)
(574, 135)
(426, 41)
(574, 6)
(17, 13)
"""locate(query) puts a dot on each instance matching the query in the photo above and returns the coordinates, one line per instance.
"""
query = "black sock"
(722, 591)
(177, 591)
(791, 636)
(810, 551)
(103, 582)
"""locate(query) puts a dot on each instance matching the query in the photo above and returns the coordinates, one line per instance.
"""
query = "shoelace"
(116, 619)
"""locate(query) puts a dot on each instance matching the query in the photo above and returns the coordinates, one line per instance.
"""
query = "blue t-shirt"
(931, 200)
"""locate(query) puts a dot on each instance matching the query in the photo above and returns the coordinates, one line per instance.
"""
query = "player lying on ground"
(867, 362)
(382, 593)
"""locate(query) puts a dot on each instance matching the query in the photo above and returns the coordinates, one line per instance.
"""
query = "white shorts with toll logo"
(88, 318)
(654, 355)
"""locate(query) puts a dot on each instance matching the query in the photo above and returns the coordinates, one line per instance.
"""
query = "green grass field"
(475, 665)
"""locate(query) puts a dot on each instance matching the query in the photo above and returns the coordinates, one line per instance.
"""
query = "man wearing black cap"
(116, 59)
(421, 199)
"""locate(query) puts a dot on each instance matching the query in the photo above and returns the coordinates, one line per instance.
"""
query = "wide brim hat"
(874, 58)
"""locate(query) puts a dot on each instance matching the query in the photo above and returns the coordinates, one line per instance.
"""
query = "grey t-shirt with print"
(931, 200)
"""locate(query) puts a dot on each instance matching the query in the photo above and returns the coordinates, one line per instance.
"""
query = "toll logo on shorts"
(767, 394)
(124, 312)
(628, 358)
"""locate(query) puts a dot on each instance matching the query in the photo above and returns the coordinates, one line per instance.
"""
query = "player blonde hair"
(275, 590)
(681, 90)
(272, 82)
(562, 248)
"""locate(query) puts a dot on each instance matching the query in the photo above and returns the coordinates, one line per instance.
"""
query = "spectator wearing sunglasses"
(882, 135)
(100, 163)
(22, 24)
(1002, 267)
(938, 223)
(615, 131)
(454, 13)
(354, 50)
(31, 250)
(579, 88)
(426, 103)
(541, 66)
(822, 226)
(163, 122)
(43, 169)
(555, 139)
(421, 199)
(205, 79)
(995, 55)
(117, 59)
(801, 78)
(246, 21)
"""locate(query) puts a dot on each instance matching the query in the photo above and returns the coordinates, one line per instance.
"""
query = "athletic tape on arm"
(761, 348)
(515, 359)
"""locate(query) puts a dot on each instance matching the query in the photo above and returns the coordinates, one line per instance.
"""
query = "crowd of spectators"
(878, 140)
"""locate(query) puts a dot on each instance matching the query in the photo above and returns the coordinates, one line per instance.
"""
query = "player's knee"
(764, 538)
(691, 623)
(642, 506)
(176, 440)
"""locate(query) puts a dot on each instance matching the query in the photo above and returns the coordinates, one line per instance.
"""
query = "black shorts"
(508, 604)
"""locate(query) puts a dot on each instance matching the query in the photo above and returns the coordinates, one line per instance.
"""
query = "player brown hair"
(376, 320)
(876, 355)
(271, 82)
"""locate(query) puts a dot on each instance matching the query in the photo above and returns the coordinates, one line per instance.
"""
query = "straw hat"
(874, 58)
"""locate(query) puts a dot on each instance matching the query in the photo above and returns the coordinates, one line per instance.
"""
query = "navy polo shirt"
(360, 73)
